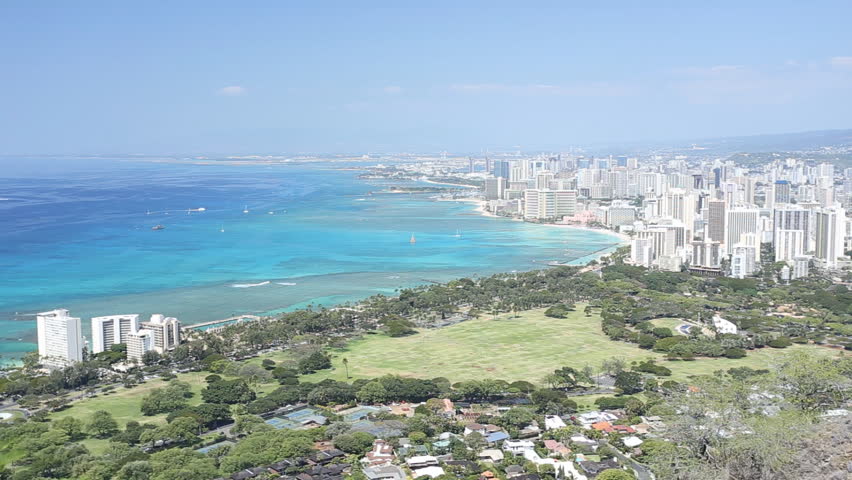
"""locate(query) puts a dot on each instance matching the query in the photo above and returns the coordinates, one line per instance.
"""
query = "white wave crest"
(249, 285)
(286, 284)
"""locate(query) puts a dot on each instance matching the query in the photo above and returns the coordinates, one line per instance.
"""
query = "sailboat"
(412, 240)
(458, 233)
(222, 229)
(245, 209)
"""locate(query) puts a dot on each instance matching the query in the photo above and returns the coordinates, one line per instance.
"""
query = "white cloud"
(393, 89)
(232, 91)
(841, 61)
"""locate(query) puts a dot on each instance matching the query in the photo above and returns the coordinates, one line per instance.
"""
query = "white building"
(723, 326)
(495, 188)
(743, 262)
(549, 204)
(60, 338)
(830, 232)
(789, 244)
(112, 330)
(138, 344)
(740, 221)
(165, 332)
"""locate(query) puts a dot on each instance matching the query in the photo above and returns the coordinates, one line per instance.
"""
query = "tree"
(313, 362)
(136, 470)
(613, 366)
(629, 382)
(373, 392)
(102, 425)
(181, 464)
(71, 426)
(518, 417)
(615, 474)
(229, 392)
(346, 366)
(248, 424)
(356, 443)
(812, 382)
(167, 399)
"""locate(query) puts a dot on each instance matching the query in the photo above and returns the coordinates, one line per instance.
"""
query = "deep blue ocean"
(77, 234)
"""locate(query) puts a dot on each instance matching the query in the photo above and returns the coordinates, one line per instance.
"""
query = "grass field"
(524, 348)
(124, 404)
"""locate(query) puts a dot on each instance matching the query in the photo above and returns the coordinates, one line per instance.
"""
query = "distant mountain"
(802, 141)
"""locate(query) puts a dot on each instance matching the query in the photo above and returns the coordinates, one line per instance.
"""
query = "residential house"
(553, 422)
(385, 472)
(491, 455)
(380, 454)
(517, 447)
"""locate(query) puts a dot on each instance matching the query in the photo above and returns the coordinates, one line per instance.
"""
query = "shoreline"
(451, 184)
(480, 208)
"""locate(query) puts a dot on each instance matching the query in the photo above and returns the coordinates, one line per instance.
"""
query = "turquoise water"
(77, 234)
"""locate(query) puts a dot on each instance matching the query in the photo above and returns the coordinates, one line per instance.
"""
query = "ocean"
(77, 234)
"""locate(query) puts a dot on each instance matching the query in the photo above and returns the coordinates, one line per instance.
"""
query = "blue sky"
(268, 77)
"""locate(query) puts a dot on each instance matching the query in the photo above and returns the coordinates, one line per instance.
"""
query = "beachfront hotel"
(60, 338)
(160, 334)
(112, 330)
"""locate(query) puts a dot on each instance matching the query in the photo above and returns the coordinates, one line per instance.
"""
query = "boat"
(412, 240)
(222, 229)
(157, 227)
(458, 233)
(271, 212)
(245, 209)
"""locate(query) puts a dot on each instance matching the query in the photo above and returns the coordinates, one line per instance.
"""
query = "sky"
(256, 77)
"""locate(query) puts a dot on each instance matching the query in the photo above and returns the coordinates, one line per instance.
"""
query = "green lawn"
(124, 404)
(524, 348)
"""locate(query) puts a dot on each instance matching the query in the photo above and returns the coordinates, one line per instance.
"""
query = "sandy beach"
(480, 208)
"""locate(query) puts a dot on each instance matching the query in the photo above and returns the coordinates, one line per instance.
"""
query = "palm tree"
(346, 366)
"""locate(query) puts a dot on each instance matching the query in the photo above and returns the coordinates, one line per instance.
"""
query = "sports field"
(526, 347)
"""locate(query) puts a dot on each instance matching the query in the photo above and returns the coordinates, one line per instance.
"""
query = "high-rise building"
(794, 217)
(112, 330)
(740, 221)
(543, 179)
(680, 205)
(138, 344)
(165, 332)
(495, 188)
(716, 220)
(743, 261)
(501, 168)
(549, 204)
(789, 244)
(781, 192)
(830, 233)
(60, 338)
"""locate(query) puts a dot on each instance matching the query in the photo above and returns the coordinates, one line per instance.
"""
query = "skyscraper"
(794, 217)
(112, 330)
(60, 339)
(739, 222)
(501, 169)
(830, 232)
(789, 244)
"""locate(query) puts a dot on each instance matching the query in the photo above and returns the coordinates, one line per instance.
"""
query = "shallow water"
(77, 234)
